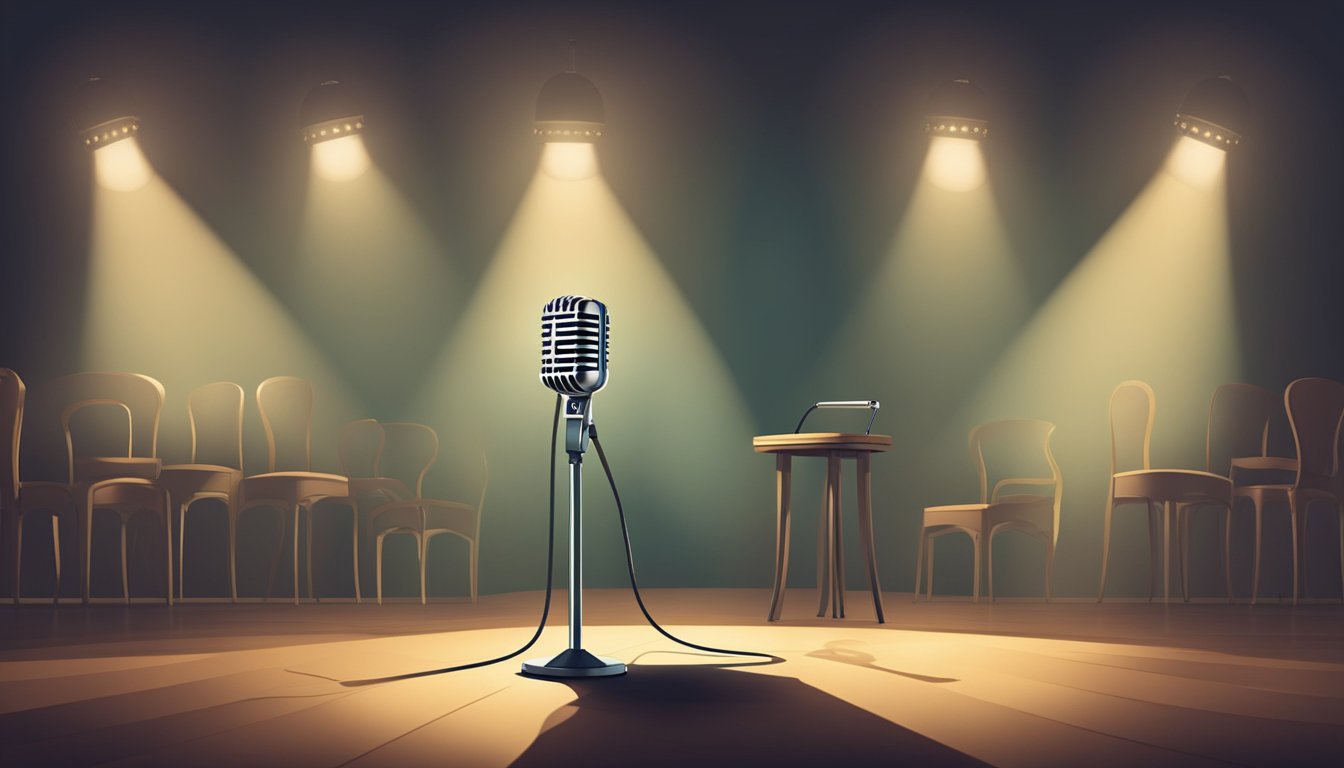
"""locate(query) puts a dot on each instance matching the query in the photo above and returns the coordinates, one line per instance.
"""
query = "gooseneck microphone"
(574, 346)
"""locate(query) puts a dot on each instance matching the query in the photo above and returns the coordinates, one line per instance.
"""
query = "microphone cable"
(630, 566)
(546, 606)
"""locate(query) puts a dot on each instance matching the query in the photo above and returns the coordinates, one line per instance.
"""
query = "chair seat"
(959, 515)
(406, 515)
(185, 480)
(1178, 485)
(95, 468)
(293, 486)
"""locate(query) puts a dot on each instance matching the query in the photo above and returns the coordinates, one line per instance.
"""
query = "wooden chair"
(416, 447)
(1035, 514)
(124, 481)
(216, 415)
(1173, 488)
(359, 447)
(1315, 415)
(1237, 437)
(22, 499)
(290, 492)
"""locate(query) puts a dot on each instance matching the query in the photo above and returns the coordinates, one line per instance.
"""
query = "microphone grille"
(574, 345)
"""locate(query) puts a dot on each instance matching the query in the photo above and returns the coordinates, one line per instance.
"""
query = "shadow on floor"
(680, 715)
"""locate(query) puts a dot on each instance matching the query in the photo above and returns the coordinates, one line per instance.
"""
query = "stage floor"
(1012, 683)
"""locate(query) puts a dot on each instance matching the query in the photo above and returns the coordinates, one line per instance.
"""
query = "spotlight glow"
(341, 159)
(569, 161)
(668, 380)
(955, 165)
(1198, 164)
(167, 298)
(373, 282)
(1152, 300)
(121, 166)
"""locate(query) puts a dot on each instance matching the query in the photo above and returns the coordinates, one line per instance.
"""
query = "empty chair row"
(129, 478)
(1237, 465)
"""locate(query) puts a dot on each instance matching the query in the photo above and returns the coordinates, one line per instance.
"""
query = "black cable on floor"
(546, 607)
(630, 566)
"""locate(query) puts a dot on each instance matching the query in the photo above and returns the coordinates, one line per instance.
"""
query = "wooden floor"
(948, 683)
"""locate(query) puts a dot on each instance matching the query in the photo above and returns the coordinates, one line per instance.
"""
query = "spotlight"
(957, 109)
(569, 110)
(1214, 112)
(106, 121)
(332, 123)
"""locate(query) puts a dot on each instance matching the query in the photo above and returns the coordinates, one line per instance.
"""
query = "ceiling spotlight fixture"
(105, 114)
(569, 109)
(330, 111)
(957, 109)
(332, 123)
(1214, 112)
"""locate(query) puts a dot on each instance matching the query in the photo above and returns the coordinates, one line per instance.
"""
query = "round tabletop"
(820, 442)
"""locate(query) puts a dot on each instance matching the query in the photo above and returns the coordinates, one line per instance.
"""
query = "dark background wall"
(765, 152)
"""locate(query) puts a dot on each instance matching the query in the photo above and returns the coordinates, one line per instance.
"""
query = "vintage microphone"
(574, 348)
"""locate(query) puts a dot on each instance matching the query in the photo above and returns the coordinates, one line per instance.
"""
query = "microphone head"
(574, 333)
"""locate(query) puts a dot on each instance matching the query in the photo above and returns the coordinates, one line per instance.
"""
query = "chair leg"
(1339, 510)
(168, 546)
(233, 553)
(1296, 526)
(422, 541)
(309, 555)
(181, 550)
(16, 547)
(989, 563)
(928, 575)
(56, 555)
(975, 571)
(1105, 545)
(279, 547)
(919, 560)
(125, 586)
(475, 550)
(1183, 541)
(354, 548)
(1152, 549)
(87, 555)
(1049, 564)
(378, 566)
(298, 509)
(1255, 568)
(1227, 552)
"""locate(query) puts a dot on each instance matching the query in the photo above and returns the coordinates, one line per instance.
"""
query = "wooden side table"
(834, 446)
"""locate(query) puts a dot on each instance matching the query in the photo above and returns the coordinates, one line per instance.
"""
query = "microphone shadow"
(680, 715)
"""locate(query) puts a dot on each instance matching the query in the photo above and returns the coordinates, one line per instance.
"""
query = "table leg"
(837, 536)
(783, 491)
(824, 552)
(865, 490)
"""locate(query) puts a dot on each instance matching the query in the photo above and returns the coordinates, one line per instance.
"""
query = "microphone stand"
(575, 661)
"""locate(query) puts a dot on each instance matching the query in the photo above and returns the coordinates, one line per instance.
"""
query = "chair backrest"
(1315, 413)
(409, 450)
(1015, 454)
(1239, 418)
(1133, 408)
(11, 426)
(359, 446)
(216, 415)
(286, 407)
(136, 396)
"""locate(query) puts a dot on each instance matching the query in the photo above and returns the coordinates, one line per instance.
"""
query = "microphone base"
(574, 662)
